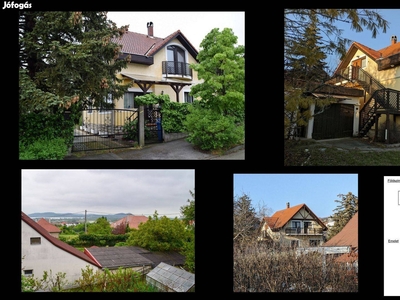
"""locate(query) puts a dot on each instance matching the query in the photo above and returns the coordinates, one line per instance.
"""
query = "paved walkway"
(361, 144)
(173, 150)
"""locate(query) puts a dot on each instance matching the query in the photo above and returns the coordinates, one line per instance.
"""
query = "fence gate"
(101, 129)
(152, 120)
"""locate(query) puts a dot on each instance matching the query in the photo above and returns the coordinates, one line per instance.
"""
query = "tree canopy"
(346, 209)
(159, 234)
(67, 58)
(245, 221)
(221, 66)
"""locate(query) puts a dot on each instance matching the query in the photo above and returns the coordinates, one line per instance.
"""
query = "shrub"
(52, 149)
(210, 130)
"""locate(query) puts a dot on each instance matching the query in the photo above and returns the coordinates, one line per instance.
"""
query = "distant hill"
(90, 217)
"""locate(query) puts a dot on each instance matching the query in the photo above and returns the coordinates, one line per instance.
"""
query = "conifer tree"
(305, 50)
(348, 206)
(245, 221)
(67, 57)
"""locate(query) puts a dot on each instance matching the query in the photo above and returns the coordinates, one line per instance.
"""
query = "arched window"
(176, 60)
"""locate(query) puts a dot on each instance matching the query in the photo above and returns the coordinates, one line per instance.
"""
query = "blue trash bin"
(159, 129)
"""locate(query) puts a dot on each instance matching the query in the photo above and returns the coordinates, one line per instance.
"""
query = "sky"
(317, 191)
(139, 192)
(194, 25)
(381, 40)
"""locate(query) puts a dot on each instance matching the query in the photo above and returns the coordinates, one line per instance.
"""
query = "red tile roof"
(374, 54)
(56, 242)
(348, 236)
(48, 226)
(280, 218)
(132, 220)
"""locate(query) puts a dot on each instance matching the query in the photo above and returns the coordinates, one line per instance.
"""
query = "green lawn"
(307, 153)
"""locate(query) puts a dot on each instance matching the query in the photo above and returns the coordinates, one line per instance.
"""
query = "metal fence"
(105, 129)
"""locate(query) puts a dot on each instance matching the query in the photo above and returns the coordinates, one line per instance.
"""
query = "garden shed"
(171, 279)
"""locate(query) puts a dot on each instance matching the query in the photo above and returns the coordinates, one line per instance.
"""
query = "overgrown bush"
(210, 130)
(174, 115)
(44, 136)
(54, 149)
(259, 267)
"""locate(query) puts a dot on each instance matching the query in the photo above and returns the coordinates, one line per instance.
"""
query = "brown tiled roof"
(132, 220)
(280, 218)
(48, 226)
(145, 45)
(348, 236)
(56, 242)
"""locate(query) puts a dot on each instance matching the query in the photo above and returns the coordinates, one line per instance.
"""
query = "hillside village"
(42, 250)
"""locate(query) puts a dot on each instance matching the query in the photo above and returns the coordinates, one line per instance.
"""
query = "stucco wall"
(46, 257)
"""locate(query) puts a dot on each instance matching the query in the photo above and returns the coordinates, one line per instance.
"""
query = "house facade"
(158, 65)
(295, 226)
(366, 87)
(41, 252)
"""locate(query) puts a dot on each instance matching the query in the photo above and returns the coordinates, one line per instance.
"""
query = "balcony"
(303, 231)
(174, 69)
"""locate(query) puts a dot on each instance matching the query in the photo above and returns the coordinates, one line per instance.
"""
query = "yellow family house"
(157, 65)
(366, 86)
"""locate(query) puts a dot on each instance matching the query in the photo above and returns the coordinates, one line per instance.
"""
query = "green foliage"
(130, 130)
(75, 56)
(222, 69)
(174, 116)
(217, 119)
(27, 284)
(347, 208)
(92, 239)
(188, 250)
(121, 280)
(101, 226)
(35, 126)
(151, 99)
(188, 211)
(159, 234)
(52, 149)
(209, 130)
(48, 282)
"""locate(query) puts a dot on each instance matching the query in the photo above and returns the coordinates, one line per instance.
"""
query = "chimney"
(394, 39)
(287, 205)
(150, 28)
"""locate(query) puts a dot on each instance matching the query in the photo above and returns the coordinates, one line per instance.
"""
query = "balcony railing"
(303, 231)
(176, 69)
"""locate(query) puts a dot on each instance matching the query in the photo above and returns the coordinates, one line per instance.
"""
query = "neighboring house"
(52, 229)
(131, 220)
(135, 258)
(43, 252)
(295, 226)
(167, 278)
(366, 86)
(347, 237)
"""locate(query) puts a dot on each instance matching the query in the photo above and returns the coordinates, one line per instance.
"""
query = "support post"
(141, 125)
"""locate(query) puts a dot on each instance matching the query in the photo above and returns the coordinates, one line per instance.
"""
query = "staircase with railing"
(382, 100)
